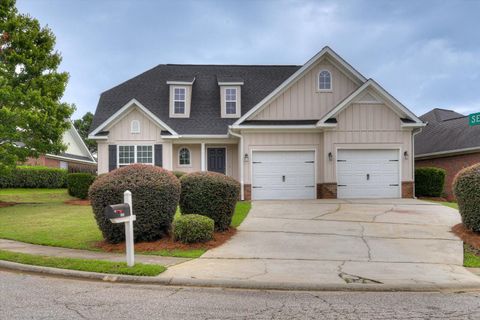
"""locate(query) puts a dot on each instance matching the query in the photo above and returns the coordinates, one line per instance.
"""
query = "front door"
(216, 159)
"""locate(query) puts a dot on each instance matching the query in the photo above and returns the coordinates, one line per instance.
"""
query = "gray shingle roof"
(445, 131)
(150, 89)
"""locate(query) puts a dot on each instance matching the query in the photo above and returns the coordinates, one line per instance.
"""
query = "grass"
(43, 218)
(99, 266)
(470, 257)
(453, 205)
(34, 195)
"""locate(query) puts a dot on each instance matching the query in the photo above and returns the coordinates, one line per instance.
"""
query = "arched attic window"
(324, 80)
(135, 126)
(184, 156)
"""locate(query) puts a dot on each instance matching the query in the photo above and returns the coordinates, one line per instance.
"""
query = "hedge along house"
(447, 142)
(321, 130)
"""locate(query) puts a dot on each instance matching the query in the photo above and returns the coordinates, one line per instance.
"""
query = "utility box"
(116, 211)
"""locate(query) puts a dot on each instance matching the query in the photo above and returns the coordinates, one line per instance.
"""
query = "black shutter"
(159, 155)
(112, 157)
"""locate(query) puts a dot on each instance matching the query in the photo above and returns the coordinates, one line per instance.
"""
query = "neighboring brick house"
(447, 142)
(76, 158)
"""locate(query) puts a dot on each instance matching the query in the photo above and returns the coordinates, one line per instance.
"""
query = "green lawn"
(453, 205)
(100, 266)
(471, 257)
(43, 218)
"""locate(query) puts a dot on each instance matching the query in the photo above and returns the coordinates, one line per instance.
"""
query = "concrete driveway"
(399, 243)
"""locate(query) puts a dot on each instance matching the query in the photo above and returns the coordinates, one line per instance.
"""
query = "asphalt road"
(24, 296)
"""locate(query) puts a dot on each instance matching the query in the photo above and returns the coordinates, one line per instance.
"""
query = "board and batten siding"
(368, 126)
(256, 141)
(303, 101)
(120, 134)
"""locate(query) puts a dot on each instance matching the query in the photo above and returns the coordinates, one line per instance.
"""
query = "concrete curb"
(233, 284)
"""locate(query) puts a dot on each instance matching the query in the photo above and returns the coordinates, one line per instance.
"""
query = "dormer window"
(180, 97)
(325, 81)
(230, 101)
(179, 100)
(135, 126)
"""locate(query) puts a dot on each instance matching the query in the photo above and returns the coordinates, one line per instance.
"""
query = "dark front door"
(216, 159)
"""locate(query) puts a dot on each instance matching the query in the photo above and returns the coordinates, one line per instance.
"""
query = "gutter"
(414, 133)
(240, 162)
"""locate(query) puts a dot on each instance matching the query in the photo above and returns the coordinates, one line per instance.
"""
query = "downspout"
(240, 162)
(414, 133)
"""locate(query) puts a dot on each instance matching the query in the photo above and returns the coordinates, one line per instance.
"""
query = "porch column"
(202, 158)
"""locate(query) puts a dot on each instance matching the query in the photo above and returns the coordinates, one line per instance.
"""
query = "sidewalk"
(23, 247)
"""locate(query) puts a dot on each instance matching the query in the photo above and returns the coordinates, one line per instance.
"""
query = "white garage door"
(368, 174)
(283, 175)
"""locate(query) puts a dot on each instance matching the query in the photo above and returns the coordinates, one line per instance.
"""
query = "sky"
(425, 53)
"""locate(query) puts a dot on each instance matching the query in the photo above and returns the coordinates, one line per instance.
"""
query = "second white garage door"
(368, 174)
(283, 175)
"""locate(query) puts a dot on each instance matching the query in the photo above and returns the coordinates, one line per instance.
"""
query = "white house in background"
(77, 157)
(319, 130)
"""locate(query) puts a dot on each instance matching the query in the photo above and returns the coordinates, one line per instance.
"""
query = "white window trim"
(135, 154)
(132, 130)
(184, 101)
(190, 157)
(236, 100)
(318, 81)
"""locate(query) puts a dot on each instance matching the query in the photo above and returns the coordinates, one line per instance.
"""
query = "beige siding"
(195, 151)
(102, 157)
(368, 126)
(303, 100)
(282, 141)
(120, 131)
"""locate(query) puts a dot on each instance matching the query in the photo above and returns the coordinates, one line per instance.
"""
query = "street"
(25, 296)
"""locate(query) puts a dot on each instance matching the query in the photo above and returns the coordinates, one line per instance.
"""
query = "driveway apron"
(338, 243)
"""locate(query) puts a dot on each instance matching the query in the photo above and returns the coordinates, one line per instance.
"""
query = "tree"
(32, 117)
(83, 126)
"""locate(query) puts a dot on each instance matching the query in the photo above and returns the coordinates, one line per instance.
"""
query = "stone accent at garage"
(407, 189)
(327, 190)
(247, 191)
(452, 165)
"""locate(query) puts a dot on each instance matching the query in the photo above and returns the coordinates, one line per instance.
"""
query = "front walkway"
(337, 244)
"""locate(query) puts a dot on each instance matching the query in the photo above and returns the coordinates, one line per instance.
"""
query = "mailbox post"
(123, 213)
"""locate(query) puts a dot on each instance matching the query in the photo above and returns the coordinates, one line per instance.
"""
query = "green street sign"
(474, 119)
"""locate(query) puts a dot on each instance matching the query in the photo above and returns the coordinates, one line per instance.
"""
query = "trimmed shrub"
(211, 194)
(429, 182)
(466, 188)
(179, 174)
(34, 177)
(155, 194)
(78, 184)
(192, 228)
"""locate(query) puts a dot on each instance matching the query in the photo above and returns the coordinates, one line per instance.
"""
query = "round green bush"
(429, 182)
(211, 194)
(467, 191)
(155, 195)
(193, 228)
(78, 184)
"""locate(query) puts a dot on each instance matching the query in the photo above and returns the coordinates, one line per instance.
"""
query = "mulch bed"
(78, 202)
(468, 236)
(167, 243)
(7, 204)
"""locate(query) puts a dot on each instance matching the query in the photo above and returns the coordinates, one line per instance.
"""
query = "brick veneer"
(452, 166)
(407, 189)
(247, 191)
(327, 190)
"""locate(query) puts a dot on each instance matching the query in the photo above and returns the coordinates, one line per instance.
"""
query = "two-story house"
(320, 130)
